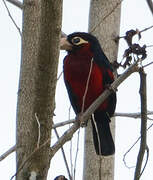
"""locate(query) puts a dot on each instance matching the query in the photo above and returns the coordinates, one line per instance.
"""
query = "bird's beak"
(64, 44)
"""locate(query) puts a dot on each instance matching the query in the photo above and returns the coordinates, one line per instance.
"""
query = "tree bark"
(104, 23)
(40, 52)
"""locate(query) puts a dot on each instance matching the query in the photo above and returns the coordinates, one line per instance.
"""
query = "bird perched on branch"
(87, 73)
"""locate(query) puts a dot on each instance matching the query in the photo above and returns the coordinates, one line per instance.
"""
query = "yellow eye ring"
(78, 41)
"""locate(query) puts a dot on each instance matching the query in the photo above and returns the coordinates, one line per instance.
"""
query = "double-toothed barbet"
(84, 62)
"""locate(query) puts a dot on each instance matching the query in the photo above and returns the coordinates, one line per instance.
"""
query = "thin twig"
(147, 64)
(20, 5)
(71, 151)
(117, 114)
(124, 156)
(132, 115)
(38, 141)
(87, 86)
(59, 76)
(143, 30)
(143, 145)
(64, 123)
(16, 3)
(98, 24)
(150, 4)
(30, 156)
(8, 152)
(149, 46)
(12, 18)
(77, 150)
(64, 156)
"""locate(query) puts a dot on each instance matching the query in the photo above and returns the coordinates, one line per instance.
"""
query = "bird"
(87, 73)
(60, 177)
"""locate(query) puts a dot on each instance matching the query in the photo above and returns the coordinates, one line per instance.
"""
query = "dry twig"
(20, 5)
(143, 144)
(146, 65)
(132, 115)
(12, 17)
(77, 150)
(71, 149)
(16, 3)
(117, 114)
(11, 150)
(150, 4)
(30, 156)
(124, 156)
(87, 86)
(64, 156)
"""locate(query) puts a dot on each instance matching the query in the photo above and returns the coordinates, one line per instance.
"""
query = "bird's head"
(85, 41)
(77, 40)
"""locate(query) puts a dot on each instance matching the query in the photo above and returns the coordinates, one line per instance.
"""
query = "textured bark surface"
(40, 52)
(104, 23)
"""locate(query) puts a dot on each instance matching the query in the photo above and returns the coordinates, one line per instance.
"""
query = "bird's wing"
(73, 98)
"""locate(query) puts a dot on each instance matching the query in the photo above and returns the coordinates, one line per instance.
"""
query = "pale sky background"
(135, 14)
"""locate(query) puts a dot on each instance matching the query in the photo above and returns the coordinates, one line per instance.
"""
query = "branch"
(146, 65)
(9, 14)
(7, 153)
(132, 115)
(146, 29)
(143, 145)
(129, 115)
(150, 4)
(86, 115)
(64, 156)
(63, 123)
(20, 5)
(76, 156)
(66, 137)
(16, 3)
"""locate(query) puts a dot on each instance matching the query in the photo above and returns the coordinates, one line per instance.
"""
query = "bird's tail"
(102, 137)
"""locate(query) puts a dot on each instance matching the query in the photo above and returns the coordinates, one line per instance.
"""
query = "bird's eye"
(76, 40)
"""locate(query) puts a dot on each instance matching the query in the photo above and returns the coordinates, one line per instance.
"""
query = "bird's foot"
(81, 121)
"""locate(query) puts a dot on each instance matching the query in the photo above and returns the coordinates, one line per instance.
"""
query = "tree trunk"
(40, 52)
(104, 23)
